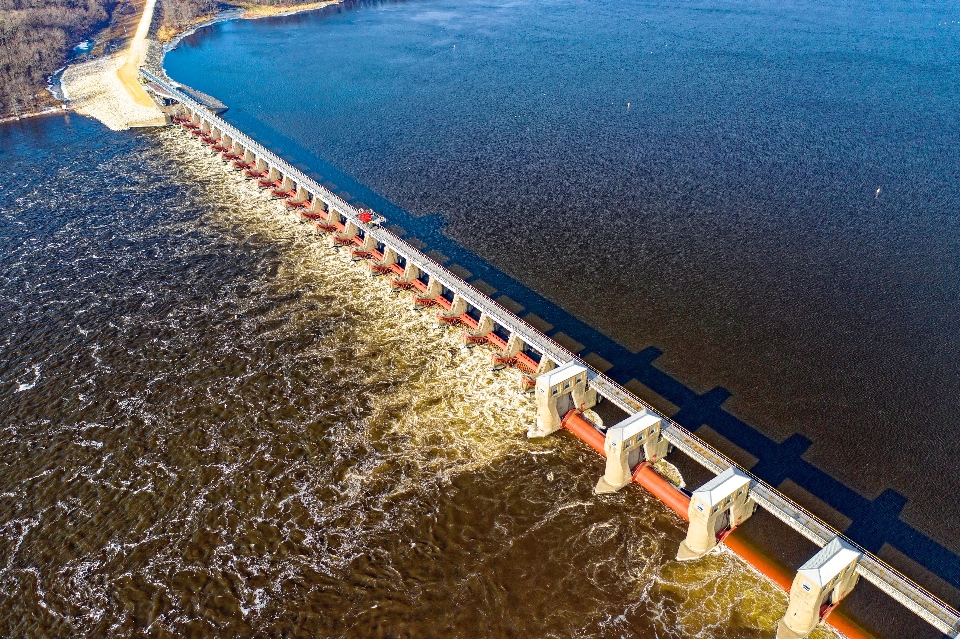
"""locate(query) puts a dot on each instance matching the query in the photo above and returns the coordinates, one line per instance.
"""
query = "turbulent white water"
(218, 425)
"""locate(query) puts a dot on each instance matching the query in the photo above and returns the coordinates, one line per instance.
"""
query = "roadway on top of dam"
(874, 522)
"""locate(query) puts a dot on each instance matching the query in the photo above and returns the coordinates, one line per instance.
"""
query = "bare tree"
(36, 37)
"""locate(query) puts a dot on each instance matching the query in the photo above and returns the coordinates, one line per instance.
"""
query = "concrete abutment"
(716, 509)
(558, 392)
(820, 584)
(627, 444)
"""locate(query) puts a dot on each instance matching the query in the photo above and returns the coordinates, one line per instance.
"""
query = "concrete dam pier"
(565, 388)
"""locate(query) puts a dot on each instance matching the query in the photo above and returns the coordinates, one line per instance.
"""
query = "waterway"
(764, 195)
(215, 425)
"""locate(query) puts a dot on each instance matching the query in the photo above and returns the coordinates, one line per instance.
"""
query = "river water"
(213, 425)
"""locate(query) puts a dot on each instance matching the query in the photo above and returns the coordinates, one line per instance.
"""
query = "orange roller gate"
(679, 502)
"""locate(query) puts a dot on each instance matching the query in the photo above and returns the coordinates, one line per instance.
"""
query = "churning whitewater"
(217, 425)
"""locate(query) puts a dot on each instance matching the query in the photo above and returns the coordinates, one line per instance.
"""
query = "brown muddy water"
(215, 425)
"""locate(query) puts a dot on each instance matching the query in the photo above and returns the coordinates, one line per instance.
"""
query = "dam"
(564, 386)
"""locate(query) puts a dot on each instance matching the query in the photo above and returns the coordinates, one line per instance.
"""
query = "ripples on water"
(214, 425)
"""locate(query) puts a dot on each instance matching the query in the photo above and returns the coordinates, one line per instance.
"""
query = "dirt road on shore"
(107, 88)
(135, 55)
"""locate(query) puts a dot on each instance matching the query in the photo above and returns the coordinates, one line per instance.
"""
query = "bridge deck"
(902, 589)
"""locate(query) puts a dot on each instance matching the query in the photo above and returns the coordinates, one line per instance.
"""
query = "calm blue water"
(762, 197)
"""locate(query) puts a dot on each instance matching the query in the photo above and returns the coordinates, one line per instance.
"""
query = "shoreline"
(240, 12)
(52, 110)
(204, 21)
(255, 12)
(53, 102)
(108, 88)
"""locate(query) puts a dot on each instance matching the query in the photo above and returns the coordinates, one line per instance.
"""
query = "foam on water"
(237, 432)
(22, 386)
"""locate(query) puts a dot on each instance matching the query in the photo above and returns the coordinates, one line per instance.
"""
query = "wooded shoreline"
(36, 40)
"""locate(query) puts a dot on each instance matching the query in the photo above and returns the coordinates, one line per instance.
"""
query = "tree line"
(178, 14)
(36, 36)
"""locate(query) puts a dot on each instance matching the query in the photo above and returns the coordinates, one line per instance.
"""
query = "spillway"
(518, 343)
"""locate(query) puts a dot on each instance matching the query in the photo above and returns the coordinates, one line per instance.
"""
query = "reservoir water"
(212, 425)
